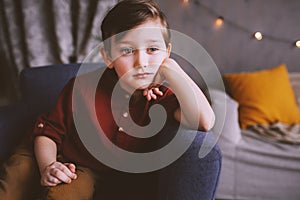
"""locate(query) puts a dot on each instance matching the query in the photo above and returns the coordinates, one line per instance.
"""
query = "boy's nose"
(141, 58)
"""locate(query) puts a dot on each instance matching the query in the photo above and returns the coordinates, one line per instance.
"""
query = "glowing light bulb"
(258, 35)
(219, 21)
(297, 43)
(185, 1)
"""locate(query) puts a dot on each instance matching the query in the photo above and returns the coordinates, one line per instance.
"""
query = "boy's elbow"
(206, 127)
(207, 123)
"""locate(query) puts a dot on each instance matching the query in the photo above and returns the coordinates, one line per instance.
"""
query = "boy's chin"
(144, 87)
(132, 88)
(141, 86)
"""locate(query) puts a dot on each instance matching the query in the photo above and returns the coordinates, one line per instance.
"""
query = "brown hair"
(128, 14)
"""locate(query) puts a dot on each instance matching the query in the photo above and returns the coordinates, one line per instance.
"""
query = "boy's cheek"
(164, 65)
(169, 62)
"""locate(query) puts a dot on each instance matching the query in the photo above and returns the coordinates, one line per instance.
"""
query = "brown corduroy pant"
(20, 180)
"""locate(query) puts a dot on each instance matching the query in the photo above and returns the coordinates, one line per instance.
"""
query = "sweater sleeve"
(169, 101)
(54, 124)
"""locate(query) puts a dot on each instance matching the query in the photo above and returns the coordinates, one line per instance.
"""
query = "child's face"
(138, 55)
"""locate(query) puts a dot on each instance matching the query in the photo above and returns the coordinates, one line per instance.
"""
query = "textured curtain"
(41, 32)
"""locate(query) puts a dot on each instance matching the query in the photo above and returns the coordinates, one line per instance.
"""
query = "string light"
(257, 35)
(185, 1)
(219, 21)
(297, 43)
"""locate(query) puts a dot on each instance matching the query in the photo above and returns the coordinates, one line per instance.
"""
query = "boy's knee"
(18, 176)
(68, 192)
(21, 165)
(81, 188)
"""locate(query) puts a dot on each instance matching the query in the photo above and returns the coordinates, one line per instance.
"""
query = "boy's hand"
(153, 90)
(151, 93)
(57, 173)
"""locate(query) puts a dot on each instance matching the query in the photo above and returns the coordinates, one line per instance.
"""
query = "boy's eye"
(152, 50)
(126, 51)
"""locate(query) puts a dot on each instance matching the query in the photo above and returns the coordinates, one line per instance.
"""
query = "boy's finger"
(148, 97)
(71, 167)
(60, 175)
(145, 92)
(53, 180)
(153, 96)
(157, 91)
(49, 181)
(66, 171)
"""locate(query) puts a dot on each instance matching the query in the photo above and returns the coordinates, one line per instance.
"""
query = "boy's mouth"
(142, 75)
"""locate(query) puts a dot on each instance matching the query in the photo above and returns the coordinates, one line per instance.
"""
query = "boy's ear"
(106, 57)
(169, 49)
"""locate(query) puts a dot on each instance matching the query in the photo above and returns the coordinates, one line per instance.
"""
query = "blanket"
(278, 132)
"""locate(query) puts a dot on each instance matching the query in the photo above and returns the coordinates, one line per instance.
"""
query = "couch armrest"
(14, 123)
(191, 177)
(230, 131)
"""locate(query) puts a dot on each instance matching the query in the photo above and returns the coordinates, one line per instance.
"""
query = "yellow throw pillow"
(264, 97)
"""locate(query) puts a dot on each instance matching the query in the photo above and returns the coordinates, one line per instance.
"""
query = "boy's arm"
(196, 110)
(45, 151)
(52, 172)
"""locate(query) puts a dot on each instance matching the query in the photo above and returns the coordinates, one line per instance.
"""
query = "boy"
(140, 57)
(139, 60)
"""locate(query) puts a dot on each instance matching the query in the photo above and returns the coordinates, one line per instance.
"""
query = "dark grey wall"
(232, 49)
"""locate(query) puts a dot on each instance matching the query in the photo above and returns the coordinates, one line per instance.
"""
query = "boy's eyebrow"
(148, 41)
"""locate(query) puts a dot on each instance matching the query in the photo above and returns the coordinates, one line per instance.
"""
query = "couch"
(255, 167)
(188, 178)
